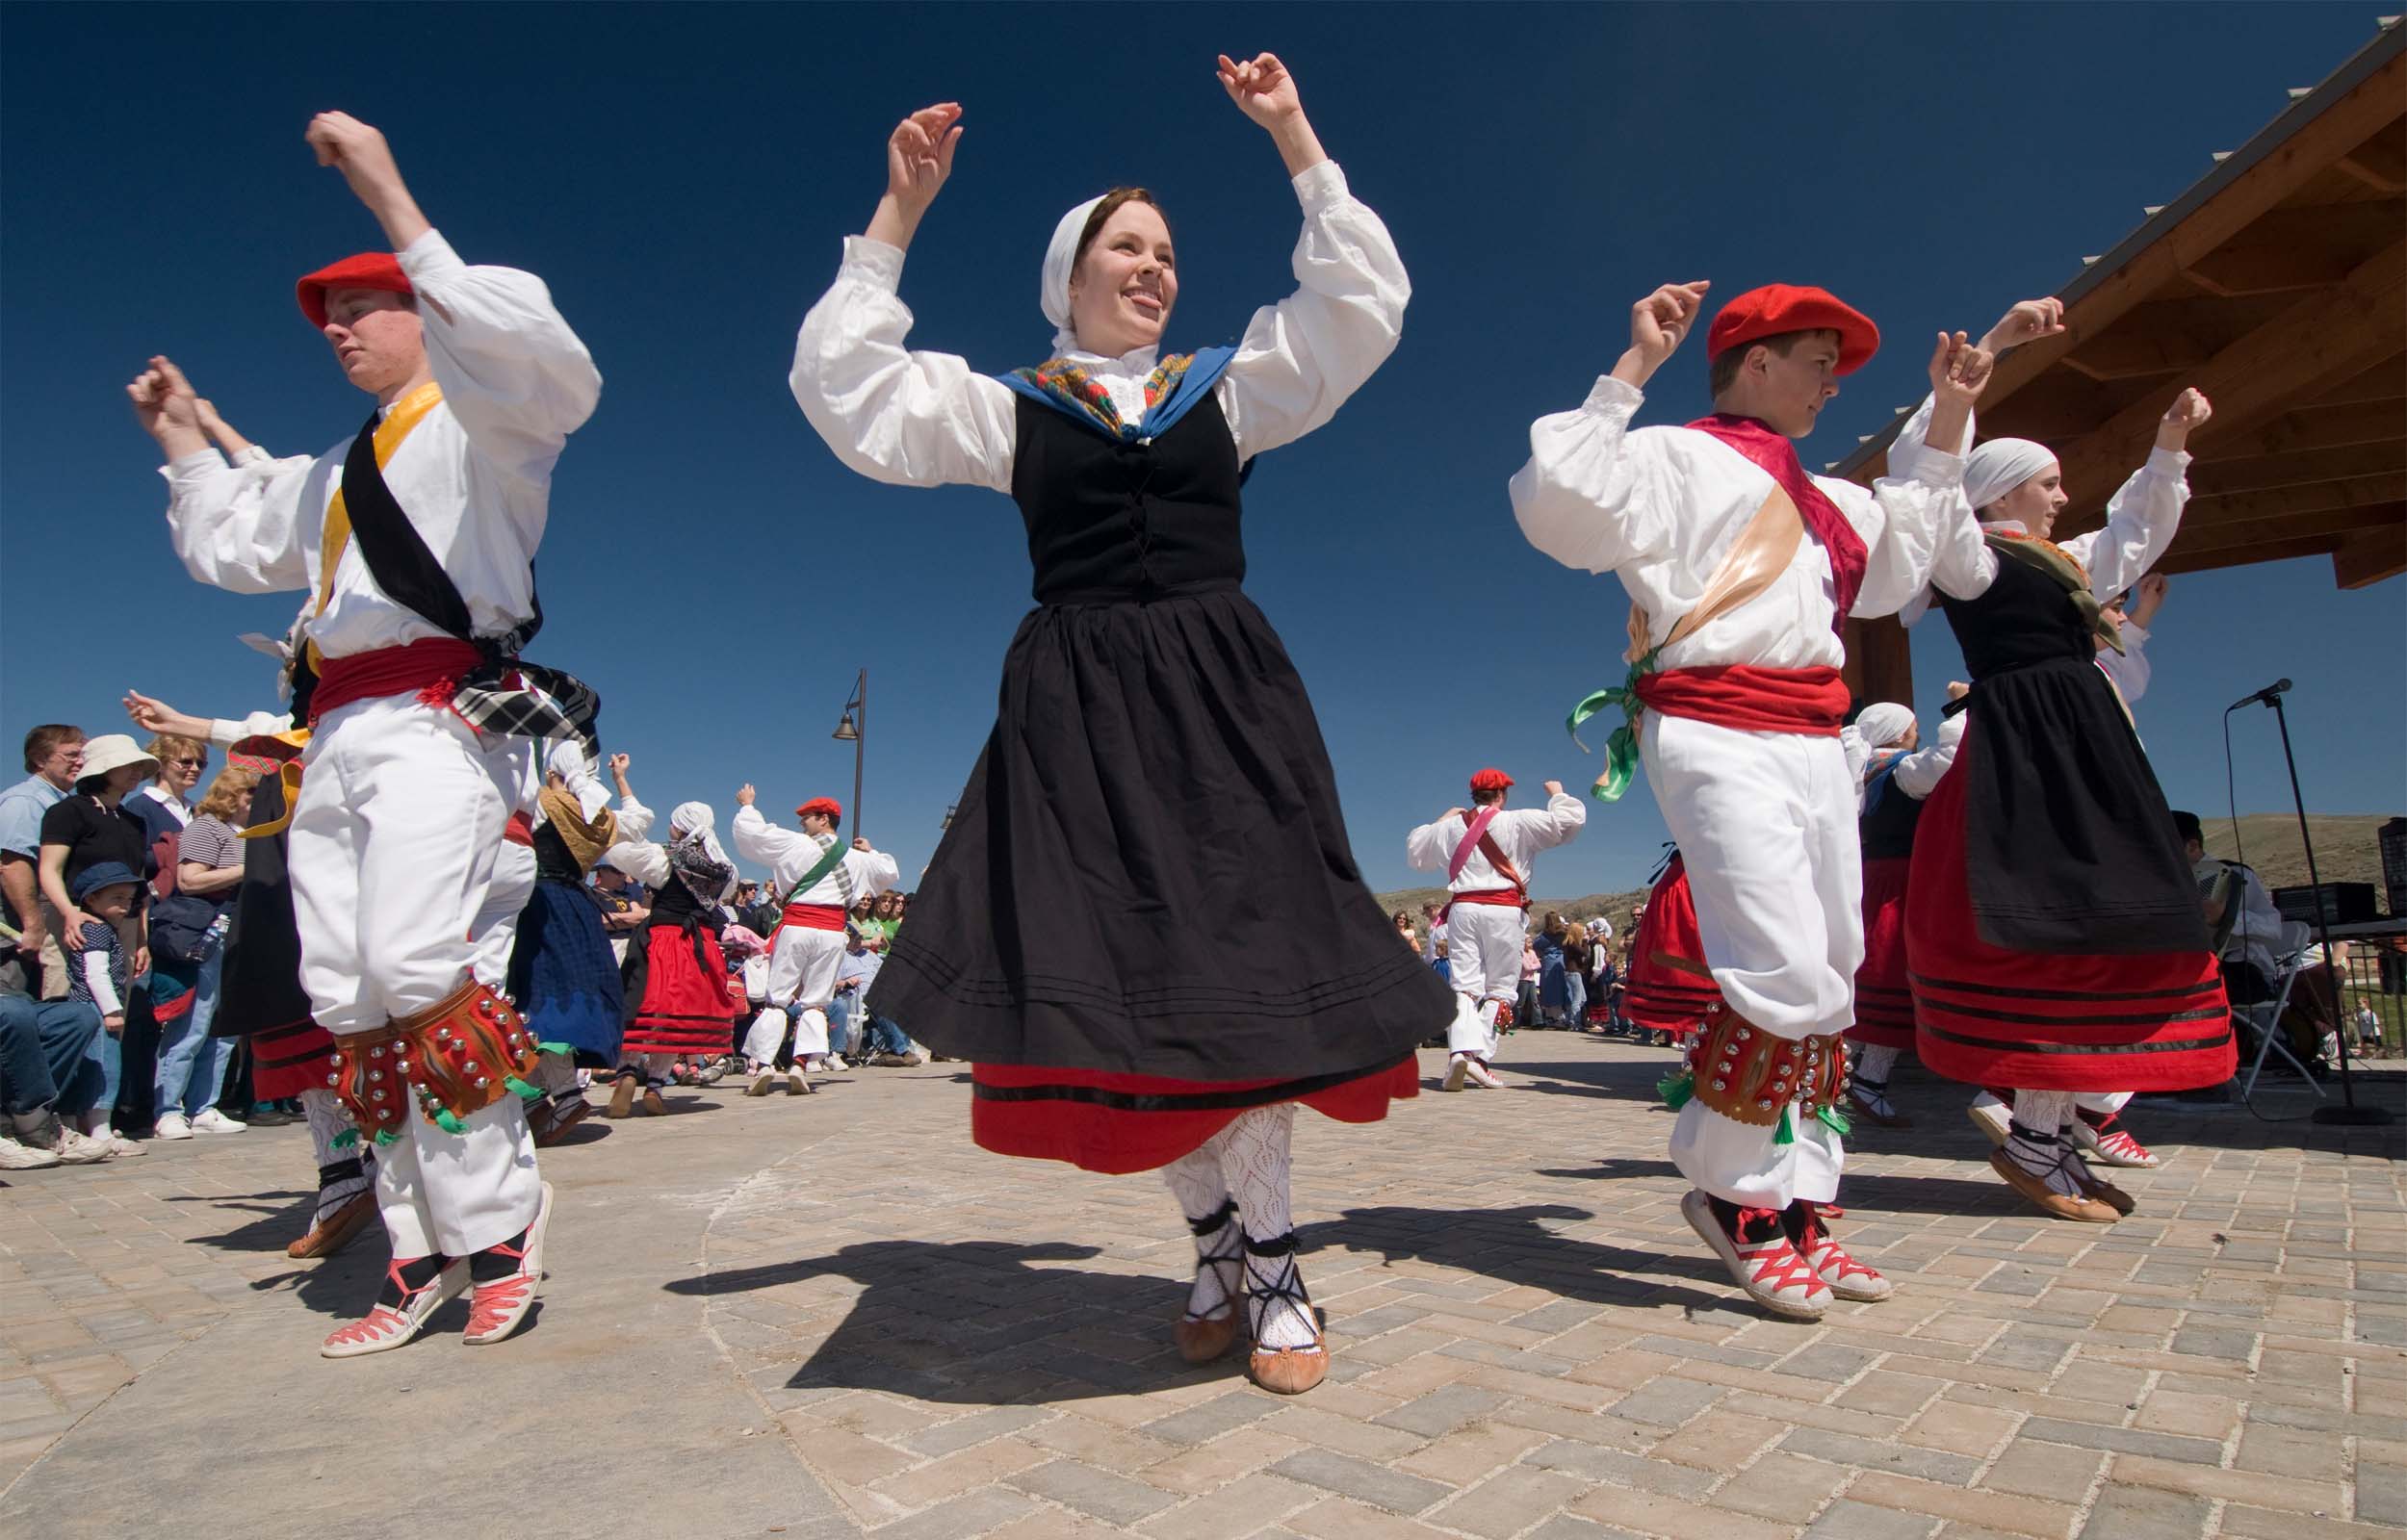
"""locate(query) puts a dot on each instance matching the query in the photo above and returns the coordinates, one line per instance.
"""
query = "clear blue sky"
(682, 177)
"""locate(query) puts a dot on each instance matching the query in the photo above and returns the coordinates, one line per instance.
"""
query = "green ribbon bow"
(1621, 749)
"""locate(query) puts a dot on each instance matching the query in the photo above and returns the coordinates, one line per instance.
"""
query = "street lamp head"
(845, 731)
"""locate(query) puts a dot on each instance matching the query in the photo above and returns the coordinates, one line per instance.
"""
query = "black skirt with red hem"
(1988, 1014)
(1884, 1007)
(1119, 1123)
(1670, 986)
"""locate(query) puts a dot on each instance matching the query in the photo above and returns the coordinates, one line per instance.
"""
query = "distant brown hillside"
(2345, 846)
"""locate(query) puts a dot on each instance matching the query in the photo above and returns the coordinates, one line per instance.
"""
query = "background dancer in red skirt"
(1897, 776)
(2056, 945)
(674, 976)
(1144, 925)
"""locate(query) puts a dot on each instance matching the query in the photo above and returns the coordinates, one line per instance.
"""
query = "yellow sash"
(287, 748)
(337, 538)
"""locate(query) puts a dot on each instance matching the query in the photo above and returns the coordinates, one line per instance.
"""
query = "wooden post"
(1880, 663)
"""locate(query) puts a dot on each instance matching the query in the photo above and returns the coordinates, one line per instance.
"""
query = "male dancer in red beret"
(1487, 854)
(816, 879)
(422, 745)
(1741, 569)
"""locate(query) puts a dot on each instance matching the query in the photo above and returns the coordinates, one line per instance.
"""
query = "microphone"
(2263, 697)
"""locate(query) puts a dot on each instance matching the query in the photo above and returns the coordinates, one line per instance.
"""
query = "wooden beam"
(2380, 163)
(2321, 340)
(2272, 529)
(2299, 247)
(2308, 428)
(2304, 468)
(2336, 132)
(2365, 560)
(2382, 381)
(2176, 561)
(2127, 353)
(2354, 492)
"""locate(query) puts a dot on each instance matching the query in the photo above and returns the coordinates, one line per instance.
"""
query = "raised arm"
(158, 717)
(1563, 817)
(758, 839)
(1431, 846)
(1301, 357)
(234, 526)
(2145, 512)
(512, 372)
(1918, 774)
(1591, 496)
(634, 819)
(911, 418)
(1922, 499)
(872, 870)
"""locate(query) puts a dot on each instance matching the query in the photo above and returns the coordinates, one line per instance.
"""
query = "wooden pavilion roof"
(2277, 284)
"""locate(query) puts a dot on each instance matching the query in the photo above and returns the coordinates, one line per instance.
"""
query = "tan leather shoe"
(1290, 1371)
(1201, 1342)
(2104, 1190)
(2046, 1199)
(336, 1232)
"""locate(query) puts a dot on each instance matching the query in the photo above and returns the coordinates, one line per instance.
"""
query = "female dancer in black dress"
(1145, 926)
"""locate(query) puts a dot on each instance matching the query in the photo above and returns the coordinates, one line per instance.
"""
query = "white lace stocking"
(1196, 1180)
(328, 1118)
(2037, 1143)
(1254, 1160)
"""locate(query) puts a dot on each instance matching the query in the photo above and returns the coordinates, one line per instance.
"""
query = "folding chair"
(2264, 1017)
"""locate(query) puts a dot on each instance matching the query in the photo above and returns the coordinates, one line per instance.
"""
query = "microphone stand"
(2349, 1112)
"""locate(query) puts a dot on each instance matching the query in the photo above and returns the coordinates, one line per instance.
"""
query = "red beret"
(370, 269)
(1491, 781)
(1779, 308)
(834, 809)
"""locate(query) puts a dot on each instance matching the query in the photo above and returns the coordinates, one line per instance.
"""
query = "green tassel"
(559, 1048)
(1786, 1133)
(1676, 1090)
(386, 1136)
(526, 1091)
(447, 1122)
(345, 1140)
(1836, 1121)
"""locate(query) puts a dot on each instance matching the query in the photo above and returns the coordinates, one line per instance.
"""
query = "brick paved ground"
(831, 1316)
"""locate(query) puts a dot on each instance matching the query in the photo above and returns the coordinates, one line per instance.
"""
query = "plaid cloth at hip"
(522, 700)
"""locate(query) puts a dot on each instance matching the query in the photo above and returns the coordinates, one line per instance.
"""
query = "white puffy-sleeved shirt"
(1659, 508)
(790, 854)
(474, 476)
(921, 419)
(2142, 517)
(2128, 669)
(1520, 833)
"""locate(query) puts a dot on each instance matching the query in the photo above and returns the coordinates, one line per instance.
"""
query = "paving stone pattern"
(1529, 1342)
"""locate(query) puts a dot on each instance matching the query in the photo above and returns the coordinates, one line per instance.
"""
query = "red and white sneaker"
(1480, 1075)
(1847, 1279)
(1761, 1259)
(2105, 1141)
(387, 1326)
(499, 1307)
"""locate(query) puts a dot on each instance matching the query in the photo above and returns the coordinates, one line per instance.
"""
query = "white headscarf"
(690, 823)
(1883, 723)
(1053, 287)
(567, 758)
(2000, 466)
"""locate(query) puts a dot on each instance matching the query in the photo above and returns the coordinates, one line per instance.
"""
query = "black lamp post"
(854, 729)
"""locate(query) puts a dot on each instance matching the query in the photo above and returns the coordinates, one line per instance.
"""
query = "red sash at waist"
(519, 830)
(432, 669)
(813, 917)
(1504, 897)
(1808, 700)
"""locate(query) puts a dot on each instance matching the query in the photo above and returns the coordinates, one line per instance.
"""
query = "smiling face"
(1125, 282)
(2034, 505)
(376, 337)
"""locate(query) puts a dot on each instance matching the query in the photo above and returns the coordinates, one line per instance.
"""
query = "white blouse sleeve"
(1301, 357)
(1594, 495)
(911, 418)
(641, 859)
(634, 819)
(241, 527)
(2142, 517)
(2129, 668)
(516, 378)
(1918, 774)
(1922, 506)
(226, 731)
(1428, 847)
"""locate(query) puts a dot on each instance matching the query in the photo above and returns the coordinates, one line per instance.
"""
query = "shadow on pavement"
(1515, 1245)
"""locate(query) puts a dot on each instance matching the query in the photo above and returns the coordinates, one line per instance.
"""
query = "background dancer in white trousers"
(1487, 853)
(817, 880)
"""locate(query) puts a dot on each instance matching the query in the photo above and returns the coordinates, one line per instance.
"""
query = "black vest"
(1113, 522)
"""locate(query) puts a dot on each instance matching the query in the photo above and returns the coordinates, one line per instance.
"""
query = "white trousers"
(803, 965)
(402, 887)
(1765, 824)
(1484, 950)
(1473, 1030)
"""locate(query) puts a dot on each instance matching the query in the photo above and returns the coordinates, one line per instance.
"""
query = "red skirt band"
(2048, 1021)
(428, 668)
(1810, 700)
(685, 1007)
(1117, 1123)
(1885, 1008)
(1669, 987)
(287, 1060)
